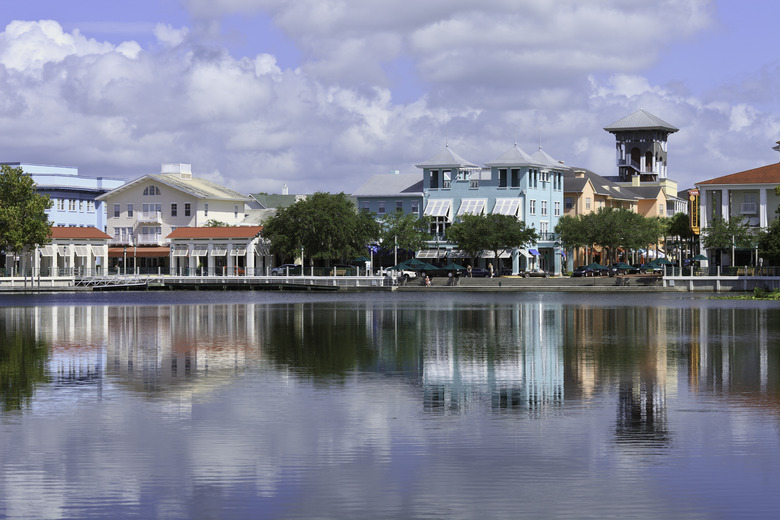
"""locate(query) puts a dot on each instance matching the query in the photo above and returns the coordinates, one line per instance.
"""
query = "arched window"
(151, 190)
(649, 161)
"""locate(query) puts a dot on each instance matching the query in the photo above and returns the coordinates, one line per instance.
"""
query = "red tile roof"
(77, 232)
(769, 174)
(216, 232)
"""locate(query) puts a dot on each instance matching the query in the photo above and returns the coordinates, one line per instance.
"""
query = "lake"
(388, 405)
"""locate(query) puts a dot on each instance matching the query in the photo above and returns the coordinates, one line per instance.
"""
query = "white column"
(193, 260)
(724, 204)
(250, 257)
(762, 216)
(230, 259)
(210, 260)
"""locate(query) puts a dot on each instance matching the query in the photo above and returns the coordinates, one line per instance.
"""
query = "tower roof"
(513, 157)
(446, 159)
(543, 158)
(640, 120)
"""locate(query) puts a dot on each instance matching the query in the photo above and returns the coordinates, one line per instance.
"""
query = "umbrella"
(596, 265)
(400, 267)
(452, 266)
(624, 266)
(361, 259)
(422, 266)
(663, 261)
(415, 262)
(699, 258)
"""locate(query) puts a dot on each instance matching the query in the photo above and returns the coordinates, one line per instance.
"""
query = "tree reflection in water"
(23, 359)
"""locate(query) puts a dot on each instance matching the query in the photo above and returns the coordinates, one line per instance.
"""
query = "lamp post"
(124, 262)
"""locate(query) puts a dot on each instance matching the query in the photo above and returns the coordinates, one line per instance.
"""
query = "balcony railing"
(150, 216)
(149, 240)
(121, 240)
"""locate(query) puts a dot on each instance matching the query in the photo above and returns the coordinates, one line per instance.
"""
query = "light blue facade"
(72, 196)
(528, 187)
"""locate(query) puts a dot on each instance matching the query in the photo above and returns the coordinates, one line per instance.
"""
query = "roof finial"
(446, 135)
(540, 138)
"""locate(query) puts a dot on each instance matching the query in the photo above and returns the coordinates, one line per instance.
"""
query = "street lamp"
(124, 262)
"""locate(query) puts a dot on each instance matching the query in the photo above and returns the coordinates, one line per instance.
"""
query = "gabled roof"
(198, 188)
(647, 192)
(640, 120)
(601, 185)
(389, 184)
(543, 158)
(216, 232)
(274, 200)
(769, 174)
(60, 232)
(446, 159)
(256, 217)
(513, 157)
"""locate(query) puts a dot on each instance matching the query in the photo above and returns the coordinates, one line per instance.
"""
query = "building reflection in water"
(528, 357)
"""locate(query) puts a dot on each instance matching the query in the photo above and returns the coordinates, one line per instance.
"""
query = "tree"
(24, 223)
(325, 225)
(493, 232)
(406, 230)
(723, 235)
(216, 223)
(769, 242)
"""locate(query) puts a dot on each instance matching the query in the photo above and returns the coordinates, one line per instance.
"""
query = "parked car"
(392, 273)
(537, 272)
(479, 272)
(650, 268)
(583, 271)
(286, 269)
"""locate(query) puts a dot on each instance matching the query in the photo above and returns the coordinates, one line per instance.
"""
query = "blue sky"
(319, 95)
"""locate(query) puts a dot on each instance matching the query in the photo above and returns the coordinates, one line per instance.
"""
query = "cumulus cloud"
(524, 70)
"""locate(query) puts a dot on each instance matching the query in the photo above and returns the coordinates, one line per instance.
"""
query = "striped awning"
(472, 206)
(492, 254)
(263, 248)
(219, 250)
(525, 253)
(438, 208)
(99, 250)
(238, 250)
(62, 250)
(81, 251)
(431, 253)
(200, 250)
(506, 206)
(48, 250)
(180, 250)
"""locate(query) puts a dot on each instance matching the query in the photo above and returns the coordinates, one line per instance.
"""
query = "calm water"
(285, 405)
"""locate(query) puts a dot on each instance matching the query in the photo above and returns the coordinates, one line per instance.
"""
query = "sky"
(319, 95)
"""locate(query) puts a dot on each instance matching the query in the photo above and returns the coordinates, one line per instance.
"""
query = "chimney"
(183, 170)
(579, 174)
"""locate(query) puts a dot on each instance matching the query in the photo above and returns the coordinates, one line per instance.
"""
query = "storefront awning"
(180, 250)
(431, 253)
(200, 250)
(438, 208)
(219, 250)
(98, 250)
(238, 250)
(48, 250)
(472, 207)
(525, 253)
(492, 254)
(534, 252)
(81, 251)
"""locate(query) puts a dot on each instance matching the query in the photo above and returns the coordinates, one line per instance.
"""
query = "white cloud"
(170, 36)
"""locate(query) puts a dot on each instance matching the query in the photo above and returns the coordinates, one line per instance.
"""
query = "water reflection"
(23, 358)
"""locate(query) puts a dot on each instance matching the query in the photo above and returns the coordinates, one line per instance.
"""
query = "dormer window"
(151, 190)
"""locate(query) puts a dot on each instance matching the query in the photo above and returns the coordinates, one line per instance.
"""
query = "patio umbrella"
(662, 261)
(699, 258)
(452, 266)
(400, 267)
(361, 259)
(596, 265)
(422, 266)
(415, 261)
(623, 266)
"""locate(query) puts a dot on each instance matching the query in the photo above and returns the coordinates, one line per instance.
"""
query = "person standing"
(490, 268)
(468, 270)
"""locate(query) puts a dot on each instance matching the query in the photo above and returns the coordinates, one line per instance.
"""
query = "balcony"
(150, 240)
(150, 217)
(123, 240)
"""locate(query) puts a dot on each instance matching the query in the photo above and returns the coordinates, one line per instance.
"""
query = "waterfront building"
(72, 251)
(641, 157)
(221, 251)
(74, 197)
(143, 212)
(527, 187)
(750, 195)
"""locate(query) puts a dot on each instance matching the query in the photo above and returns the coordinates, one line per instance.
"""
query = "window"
(206, 209)
(116, 210)
(187, 209)
(399, 205)
(661, 210)
(532, 207)
(502, 178)
(515, 178)
(557, 209)
(365, 205)
(151, 190)
(235, 210)
(129, 211)
(416, 207)
(544, 207)
(587, 202)
(446, 176)
(174, 209)
(81, 206)
(434, 179)
(544, 228)
(381, 208)
(568, 203)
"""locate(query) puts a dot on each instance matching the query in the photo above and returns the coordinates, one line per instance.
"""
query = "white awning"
(180, 250)
(263, 248)
(48, 250)
(200, 250)
(238, 250)
(438, 208)
(472, 206)
(81, 250)
(431, 253)
(491, 254)
(506, 206)
(458, 253)
(62, 250)
(99, 250)
(525, 253)
(219, 250)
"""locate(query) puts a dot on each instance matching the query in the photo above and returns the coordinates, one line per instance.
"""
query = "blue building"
(529, 187)
(73, 197)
